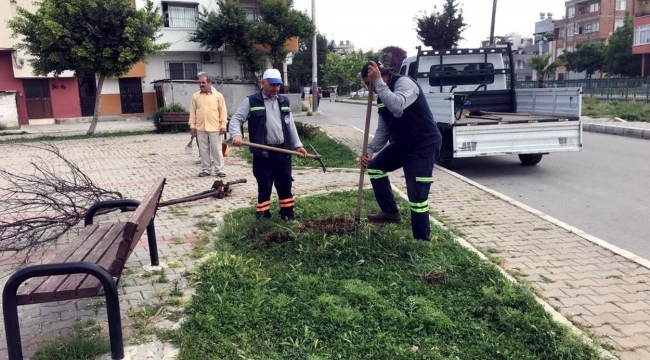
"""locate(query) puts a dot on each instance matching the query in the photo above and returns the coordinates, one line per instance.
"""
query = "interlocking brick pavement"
(130, 165)
(597, 289)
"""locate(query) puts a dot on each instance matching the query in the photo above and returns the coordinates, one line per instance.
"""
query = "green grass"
(334, 154)
(73, 137)
(86, 343)
(628, 110)
(325, 288)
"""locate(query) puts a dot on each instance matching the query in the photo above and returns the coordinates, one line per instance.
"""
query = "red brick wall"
(8, 82)
(64, 93)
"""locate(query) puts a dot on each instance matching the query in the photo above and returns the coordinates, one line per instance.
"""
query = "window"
(179, 15)
(252, 14)
(183, 70)
(619, 24)
(594, 7)
(621, 5)
(560, 76)
(571, 12)
(595, 27)
(642, 35)
(570, 30)
(447, 74)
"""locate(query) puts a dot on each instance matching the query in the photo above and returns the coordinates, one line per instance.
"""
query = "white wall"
(25, 70)
(8, 110)
(178, 36)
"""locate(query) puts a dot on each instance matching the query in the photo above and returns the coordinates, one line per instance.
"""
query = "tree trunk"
(98, 94)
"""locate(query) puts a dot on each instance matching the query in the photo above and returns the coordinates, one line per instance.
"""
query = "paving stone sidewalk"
(601, 292)
(130, 165)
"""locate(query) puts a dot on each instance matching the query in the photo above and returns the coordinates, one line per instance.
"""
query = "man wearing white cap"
(270, 122)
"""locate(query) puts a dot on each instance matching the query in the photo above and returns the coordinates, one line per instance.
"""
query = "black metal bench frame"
(108, 282)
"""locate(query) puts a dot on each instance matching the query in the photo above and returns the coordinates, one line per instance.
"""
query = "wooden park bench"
(175, 118)
(90, 266)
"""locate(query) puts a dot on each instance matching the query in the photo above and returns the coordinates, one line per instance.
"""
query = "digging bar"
(371, 91)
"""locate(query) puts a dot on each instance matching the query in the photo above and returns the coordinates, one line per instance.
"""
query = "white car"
(360, 93)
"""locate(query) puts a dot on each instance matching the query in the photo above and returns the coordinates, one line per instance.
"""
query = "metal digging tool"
(188, 148)
(315, 156)
(371, 90)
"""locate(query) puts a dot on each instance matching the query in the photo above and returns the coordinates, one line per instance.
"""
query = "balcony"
(578, 2)
(586, 15)
(641, 8)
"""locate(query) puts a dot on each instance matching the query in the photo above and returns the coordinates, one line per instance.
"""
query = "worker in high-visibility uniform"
(271, 123)
(415, 142)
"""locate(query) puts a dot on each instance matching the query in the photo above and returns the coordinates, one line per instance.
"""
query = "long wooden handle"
(371, 91)
(280, 150)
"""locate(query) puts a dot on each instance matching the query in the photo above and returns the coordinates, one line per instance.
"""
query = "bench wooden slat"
(71, 287)
(108, 245)
(25, 291)
(139, 220)
(175, 118)
(46, 292)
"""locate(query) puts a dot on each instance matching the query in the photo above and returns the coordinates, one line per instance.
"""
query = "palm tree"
(543, 66)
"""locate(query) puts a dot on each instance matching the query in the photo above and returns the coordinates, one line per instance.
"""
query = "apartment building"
(345, 47)
(588, 21)
(36, 99)
(46, 100)
(641, 42)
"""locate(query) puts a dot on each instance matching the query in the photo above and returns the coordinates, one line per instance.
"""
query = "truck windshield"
(460, 74)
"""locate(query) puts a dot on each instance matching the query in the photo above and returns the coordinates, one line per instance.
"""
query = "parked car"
(359, 93)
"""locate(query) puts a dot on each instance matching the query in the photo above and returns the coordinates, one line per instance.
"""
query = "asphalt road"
(603, 190)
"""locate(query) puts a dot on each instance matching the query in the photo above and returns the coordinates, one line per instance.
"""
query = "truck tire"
(530, 159)
(447, 151)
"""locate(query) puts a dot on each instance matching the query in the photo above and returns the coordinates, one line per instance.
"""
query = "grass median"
(324, 287)
(627, 110)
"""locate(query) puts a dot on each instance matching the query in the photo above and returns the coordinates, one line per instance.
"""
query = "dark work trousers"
(418, 171)
(276, 168)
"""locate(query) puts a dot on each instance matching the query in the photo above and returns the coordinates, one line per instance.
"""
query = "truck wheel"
(530, 159)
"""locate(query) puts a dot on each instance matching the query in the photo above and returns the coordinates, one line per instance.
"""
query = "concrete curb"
(557, 316)
(602, 243)
(617, 130)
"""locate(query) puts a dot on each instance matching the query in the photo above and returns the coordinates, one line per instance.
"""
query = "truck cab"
(473, 97)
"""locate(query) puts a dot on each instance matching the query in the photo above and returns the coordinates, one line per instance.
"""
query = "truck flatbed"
(491, 118)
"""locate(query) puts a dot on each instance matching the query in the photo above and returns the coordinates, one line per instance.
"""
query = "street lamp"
(494, 15)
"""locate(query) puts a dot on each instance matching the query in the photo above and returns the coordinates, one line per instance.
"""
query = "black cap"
(384, 70)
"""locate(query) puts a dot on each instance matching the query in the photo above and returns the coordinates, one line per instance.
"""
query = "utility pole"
(494, 15)
(314, 59)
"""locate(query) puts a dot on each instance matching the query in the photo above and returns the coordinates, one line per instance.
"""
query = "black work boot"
(287, 215)
(266, 214)
(384, 217)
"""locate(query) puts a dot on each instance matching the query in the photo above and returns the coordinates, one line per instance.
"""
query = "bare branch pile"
(39, 207)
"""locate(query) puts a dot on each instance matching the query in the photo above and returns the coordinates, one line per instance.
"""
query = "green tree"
(101, 37)
(281, 23)
(588, 57)
(441, 30)
(300, 70)
(618, 56)
(344, 70)
(543, 67)
(278, 23)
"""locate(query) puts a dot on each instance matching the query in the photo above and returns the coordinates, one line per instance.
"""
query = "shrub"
(157, 117)
(306, 131)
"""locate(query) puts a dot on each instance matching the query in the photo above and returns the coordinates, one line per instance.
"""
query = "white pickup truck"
(472, 95)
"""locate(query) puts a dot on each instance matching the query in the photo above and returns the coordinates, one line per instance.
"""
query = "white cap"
(273, 76)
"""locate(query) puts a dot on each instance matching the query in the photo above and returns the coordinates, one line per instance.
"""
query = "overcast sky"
(380, 23)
